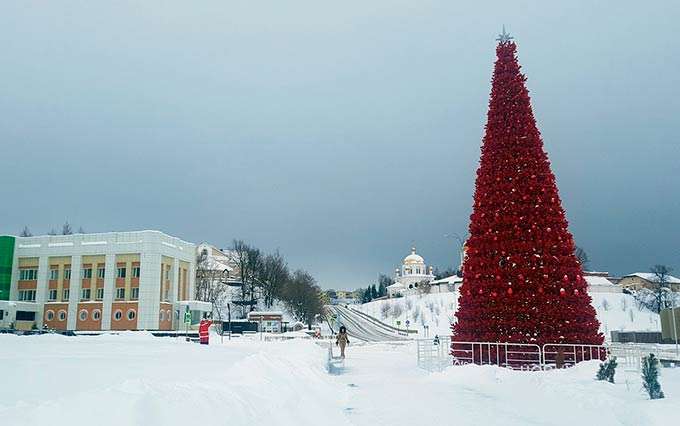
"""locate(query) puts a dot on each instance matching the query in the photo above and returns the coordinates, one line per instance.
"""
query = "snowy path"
(361, 326)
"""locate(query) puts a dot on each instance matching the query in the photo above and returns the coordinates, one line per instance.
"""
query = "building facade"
(413, 272)
(640, 280)
(95, 282)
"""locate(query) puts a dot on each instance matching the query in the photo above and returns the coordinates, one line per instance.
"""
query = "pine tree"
(374, 292)
(522, 282)
(607, 370)
(650, 377)
(382, 289)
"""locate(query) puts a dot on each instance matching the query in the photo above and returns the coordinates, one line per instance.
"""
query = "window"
(49, 315)
(2, 314)
(121, 272)
(96, 314)
(101, 272)
(62, 315)
(28, 274)
(82, 315)
(52, 296)
(162, 316)
(85, 294)
(27, 295)
(120, 293)
(86, 273)
(65, 294)
(54, 274)
(131, 314)
(67, 273)
(25, 316)
(135, 272)
(118, 315)
(100, 294)
(135, 293)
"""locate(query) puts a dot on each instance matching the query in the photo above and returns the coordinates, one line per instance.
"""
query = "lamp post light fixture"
(461, 247)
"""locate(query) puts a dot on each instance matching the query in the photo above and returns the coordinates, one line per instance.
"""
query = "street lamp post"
(675, 332)
(461, 246)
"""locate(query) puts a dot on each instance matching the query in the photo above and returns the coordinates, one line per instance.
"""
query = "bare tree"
(52, 232)
(385, 309)
(248, 261)
(81, 230)
(66, 229)
(659, 296)
(605, 304)
(424, 287)
(582, 257)
(211, 283)
(26, 232)
(397, 310)
(272, 276)
(301, 296)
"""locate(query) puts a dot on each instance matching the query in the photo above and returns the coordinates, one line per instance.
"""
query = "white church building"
(413, 272)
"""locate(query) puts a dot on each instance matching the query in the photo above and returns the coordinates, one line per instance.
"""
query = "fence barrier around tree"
(437, 354)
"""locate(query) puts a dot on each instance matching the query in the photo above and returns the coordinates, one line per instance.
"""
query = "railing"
(514, 355)
(439, 353)
(434, 354)
(629, 355)
(565, 354)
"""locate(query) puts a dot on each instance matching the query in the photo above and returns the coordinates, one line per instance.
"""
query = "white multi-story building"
(413, 272)
(110, 281)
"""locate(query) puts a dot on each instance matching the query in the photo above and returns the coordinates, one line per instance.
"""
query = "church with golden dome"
(412, 273)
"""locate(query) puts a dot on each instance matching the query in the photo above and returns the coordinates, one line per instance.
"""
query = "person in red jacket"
(203, 333)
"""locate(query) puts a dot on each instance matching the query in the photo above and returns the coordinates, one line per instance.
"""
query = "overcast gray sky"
(338, 132)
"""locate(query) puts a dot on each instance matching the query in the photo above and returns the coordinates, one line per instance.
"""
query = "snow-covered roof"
(653, 278)
(214, 264)
(595, 280)
(448, 280)
(396, 286)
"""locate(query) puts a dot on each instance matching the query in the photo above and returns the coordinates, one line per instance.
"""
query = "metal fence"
(514, 355)
(434, 354)
(439, 353)
(629, 355)
(566, 354)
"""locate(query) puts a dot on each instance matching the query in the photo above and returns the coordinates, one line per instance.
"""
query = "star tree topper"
(504, 37)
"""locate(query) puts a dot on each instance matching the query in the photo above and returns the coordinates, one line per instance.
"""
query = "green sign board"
(187, 317)
(398, 322)
(6, 262)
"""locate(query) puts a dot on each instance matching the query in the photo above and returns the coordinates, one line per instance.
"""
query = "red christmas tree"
(522, 282)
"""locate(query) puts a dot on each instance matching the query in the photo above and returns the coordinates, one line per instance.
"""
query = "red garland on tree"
(522, 282)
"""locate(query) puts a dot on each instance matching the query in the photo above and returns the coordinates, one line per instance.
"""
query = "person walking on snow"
(342, 340)
(203, 331)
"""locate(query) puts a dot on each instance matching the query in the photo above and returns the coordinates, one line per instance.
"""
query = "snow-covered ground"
(136, 379)
(616, 311)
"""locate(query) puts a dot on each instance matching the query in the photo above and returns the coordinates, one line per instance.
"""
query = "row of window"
(85, 273)
(27, 295)
(28, 274)
(85, 294)
(96, 315)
